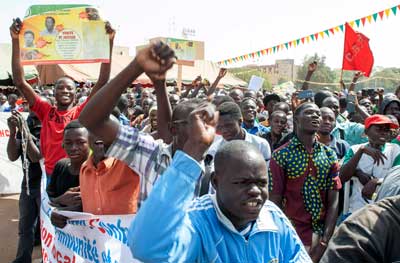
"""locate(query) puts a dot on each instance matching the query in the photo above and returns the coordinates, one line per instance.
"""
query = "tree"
(323, 74)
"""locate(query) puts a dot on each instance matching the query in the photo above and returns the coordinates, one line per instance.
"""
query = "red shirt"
(111, 188)
(51, 134)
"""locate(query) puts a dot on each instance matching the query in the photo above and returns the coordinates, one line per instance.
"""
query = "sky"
(232, 28)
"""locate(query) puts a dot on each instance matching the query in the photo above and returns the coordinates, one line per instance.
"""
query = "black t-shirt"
(62, 179)
(34, 170)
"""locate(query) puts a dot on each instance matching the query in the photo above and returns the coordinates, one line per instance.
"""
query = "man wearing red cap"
(367, 164)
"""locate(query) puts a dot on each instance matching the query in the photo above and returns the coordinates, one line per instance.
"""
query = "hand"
(312, 66)
(369, 188)
(202, 123)
(70, 198)
(376, 154)
(13, 123)
(110, 31)
(357, 75)
(155, 60)
(222, 72)
(58, 220)
(15, 28)
(317, 252)
(363, 177)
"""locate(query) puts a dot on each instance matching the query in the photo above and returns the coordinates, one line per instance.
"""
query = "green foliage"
(323, 74)
(245, 74)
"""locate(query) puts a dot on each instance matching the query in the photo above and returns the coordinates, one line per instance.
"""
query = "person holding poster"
(54, 119)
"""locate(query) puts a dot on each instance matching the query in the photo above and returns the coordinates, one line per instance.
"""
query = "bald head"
(237, 155)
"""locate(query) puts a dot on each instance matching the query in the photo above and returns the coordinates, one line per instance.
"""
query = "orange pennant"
(369, 18)
(321, 34)
(351, 23)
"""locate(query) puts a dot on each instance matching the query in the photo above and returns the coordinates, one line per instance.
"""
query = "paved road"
(9, 230)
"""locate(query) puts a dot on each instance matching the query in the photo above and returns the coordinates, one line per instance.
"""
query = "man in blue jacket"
(237, 224)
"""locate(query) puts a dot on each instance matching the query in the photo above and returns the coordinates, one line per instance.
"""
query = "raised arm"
(356, 76)
(13, 145)
(311, 69)
(164, 211)
(105, 68)
(164, 112)
(221, 74)
(17, 68)
(154, 59)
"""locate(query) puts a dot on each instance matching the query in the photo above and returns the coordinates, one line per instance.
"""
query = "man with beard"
(249, 113)
(367, 164)
(305, 182)
(236, 224)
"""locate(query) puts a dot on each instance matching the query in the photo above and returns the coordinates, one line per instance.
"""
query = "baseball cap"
(379, 119)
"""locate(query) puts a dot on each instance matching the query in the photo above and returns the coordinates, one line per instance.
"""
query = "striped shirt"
(143, 154)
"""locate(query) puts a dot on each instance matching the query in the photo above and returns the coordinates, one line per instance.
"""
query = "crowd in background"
(212, 174)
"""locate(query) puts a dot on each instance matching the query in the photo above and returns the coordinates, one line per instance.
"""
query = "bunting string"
(360, 22)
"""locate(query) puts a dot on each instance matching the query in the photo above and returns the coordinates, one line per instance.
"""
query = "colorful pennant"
(313, 37)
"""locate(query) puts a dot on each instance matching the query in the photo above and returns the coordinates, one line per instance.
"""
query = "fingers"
(75, 189)
(163, 54)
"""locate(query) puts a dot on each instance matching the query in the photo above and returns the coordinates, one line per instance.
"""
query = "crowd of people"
(212, 175)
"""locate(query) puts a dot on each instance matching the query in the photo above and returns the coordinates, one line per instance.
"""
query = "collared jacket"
(171, 227)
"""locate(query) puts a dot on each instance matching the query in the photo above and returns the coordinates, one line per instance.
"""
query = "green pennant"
(394, 10)
(312, 37)
(286, 45)
(326, 32)
(358, 22)
(298, 41)
(259, 53)
(341, 27)
(375, 16)
(274, 48)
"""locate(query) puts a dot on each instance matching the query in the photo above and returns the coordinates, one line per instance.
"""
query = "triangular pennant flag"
(351, 23)
(363, 21)
(277, 48)
(225, 62)
(358, 22)
(337, 29)
(252, 55)
(308, 39)
(321, 34)
(394, 10)
(286, 45)
(381, 14)
(312, 37)
(387, 12)
(263, 52)
(302, 40)
(281, 46)
(332, 30)
(259, 53)
(341, 27)
(298, 42)
(294, 43)
(375, 16)
(274, 48)
(369, 18)
(326, 32)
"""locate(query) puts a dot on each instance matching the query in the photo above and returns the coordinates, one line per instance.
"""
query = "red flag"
(356, 54)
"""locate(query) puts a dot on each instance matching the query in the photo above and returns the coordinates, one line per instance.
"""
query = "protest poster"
(85, 238)
(255, 83)
(63, 34)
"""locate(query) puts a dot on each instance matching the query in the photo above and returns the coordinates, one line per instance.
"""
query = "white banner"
(10, 172)
(85, 238)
